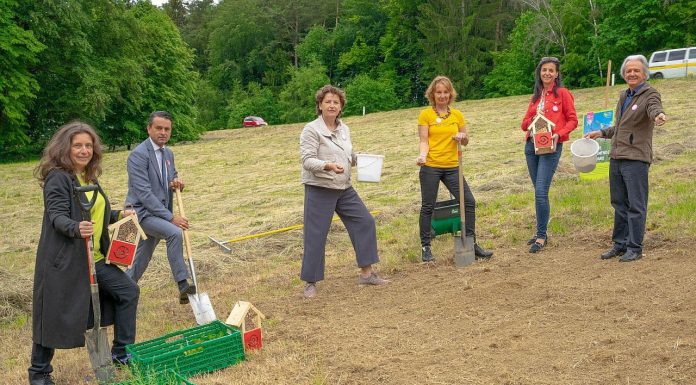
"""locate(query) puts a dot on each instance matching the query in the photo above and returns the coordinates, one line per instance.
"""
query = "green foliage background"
(112, 62)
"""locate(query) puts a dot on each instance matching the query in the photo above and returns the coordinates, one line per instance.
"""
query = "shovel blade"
(202, 308)
(464, 251)
(99, 352)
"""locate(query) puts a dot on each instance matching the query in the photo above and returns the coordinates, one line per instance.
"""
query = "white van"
(673, 63)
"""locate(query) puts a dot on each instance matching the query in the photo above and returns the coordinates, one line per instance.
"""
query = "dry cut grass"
(559, 317)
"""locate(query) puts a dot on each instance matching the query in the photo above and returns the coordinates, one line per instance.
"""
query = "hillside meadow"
(558, 317)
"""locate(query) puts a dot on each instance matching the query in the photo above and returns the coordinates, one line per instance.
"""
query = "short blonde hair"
(445, 81)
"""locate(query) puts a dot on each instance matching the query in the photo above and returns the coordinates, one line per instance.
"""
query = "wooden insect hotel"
(124, 241)
(542, 135)
(247, 319)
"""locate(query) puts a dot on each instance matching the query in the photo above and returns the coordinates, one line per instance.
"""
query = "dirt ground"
(560, 317)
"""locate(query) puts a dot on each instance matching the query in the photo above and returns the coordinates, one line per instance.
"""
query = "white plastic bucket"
(369, 167)
(584, 154)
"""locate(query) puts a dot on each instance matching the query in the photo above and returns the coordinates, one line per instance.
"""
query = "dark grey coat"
(61, 303)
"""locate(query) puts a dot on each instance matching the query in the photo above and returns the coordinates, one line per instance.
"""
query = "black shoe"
(185, 291)
(536, 247)
(427, 254)
(613, 252)
(630, 256)
(481, 253)
(531, 240)
(41, 379)
(124, 360)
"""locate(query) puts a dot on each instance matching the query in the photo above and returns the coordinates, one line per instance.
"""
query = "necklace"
(440, 118)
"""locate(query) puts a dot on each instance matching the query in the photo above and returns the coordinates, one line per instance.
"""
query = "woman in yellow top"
(61, 299)
(440, 127)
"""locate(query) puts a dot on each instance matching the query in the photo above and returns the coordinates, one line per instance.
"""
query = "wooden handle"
(461, 189)
(90, 262)
(180, 205)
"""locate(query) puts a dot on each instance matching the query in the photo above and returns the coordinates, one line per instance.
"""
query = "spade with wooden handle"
(464, 254)
(96, 338)
(200, 302)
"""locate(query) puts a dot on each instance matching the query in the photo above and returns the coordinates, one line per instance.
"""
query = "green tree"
(292, 18)
(643, 27)
(211, 106)
(513, 71)
(257, 101)
(168, 65)
(297, 97)
(111, 101)
(177, 12)
(62, 26)
(240, 31)
(403, 52)
(356, 38)
(317, 45)
(111, 63)
(373, 94)
(19, 49)
(196, 30)
(459, 38)
(359, 59)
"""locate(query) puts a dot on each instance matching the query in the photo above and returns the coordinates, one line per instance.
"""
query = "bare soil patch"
(560, 317)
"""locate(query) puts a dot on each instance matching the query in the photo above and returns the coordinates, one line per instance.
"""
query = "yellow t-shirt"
(97, 214)
(442, 151)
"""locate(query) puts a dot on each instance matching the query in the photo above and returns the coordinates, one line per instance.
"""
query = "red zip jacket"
(558, 109)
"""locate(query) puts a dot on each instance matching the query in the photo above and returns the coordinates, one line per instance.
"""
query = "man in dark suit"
(151, 178)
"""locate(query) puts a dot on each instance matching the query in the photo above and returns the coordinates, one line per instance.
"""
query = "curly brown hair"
(56, 155)
(329, 89)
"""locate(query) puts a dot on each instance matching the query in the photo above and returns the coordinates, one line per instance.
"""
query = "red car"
(253, 121)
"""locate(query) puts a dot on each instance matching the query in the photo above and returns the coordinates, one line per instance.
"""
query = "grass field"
(559, 317)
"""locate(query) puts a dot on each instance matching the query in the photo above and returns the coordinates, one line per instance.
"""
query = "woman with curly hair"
(61, 300)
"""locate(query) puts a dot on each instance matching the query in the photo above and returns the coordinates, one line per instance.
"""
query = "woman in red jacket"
(556, 103)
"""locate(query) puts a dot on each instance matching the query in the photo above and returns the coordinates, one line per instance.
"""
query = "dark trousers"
(319, 205)
(628, 187)
(41, 357)
(430, 178)
(124, 293)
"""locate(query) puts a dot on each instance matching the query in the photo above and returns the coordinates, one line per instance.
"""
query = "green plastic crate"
(168, 377)
(201, 349)
(445, 217)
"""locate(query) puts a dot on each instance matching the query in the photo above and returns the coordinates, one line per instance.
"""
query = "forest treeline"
(111, 62)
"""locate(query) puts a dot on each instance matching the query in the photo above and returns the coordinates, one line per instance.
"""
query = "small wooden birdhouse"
(124, 241)
(542, 135)
(247, 318)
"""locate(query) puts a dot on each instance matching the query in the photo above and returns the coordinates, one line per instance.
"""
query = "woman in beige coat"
(327, 157)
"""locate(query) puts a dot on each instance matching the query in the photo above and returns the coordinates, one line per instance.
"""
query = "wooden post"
(606, 89)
